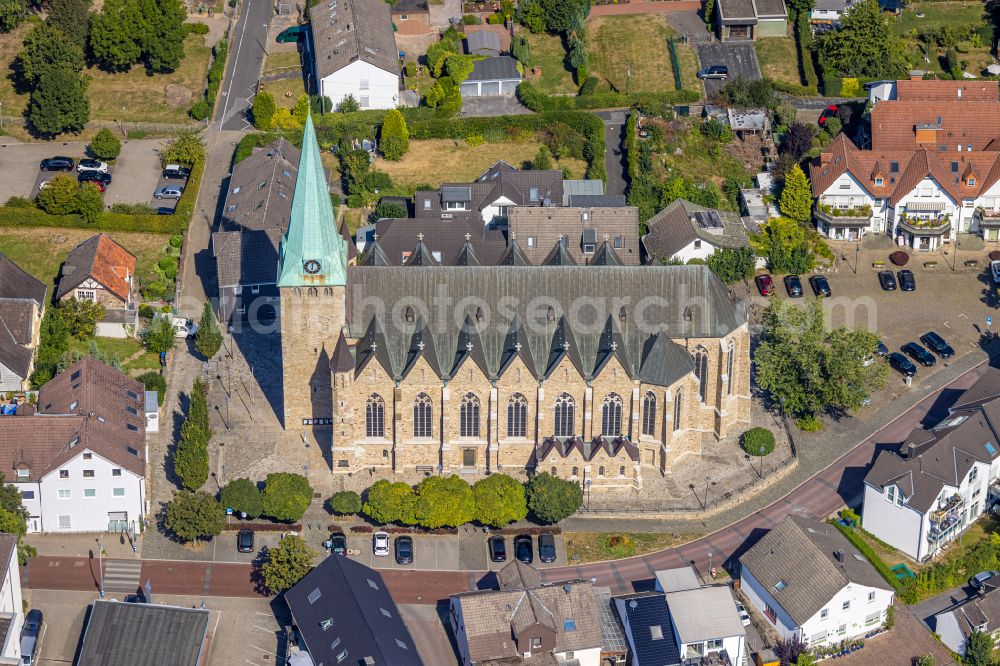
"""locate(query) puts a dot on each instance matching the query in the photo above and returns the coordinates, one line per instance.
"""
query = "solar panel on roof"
(708, 219)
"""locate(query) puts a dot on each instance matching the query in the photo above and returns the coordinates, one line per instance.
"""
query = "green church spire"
(312, 251)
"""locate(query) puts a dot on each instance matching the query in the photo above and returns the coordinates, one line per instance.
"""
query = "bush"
(471, 19)
(410, 69)
(286, 496)
(499, 500)
(105, 145)
(809, 424)
(146, 311)
(589, 86)
(242, 496)
(388, 209)
(59, 197)
(494, 19)
(194, 516)
(552, 499)
(287, 563)
(394, 135)
(89, 202)
(196, 28)
(758, 442)
(345, 503)
(176, 241)
(200, 110)
(154, 381)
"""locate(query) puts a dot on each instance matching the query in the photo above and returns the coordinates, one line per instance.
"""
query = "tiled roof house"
(22, 304)
(100, 270)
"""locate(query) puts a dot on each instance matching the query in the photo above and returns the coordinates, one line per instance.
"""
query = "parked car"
(765, 285)
(902, 364)
(828, 112)
(820, 285)
(919, 354)
(137, 598)
(29, 636)
(976, 582)
(720, 72)
(57, 164)
(184, 328)
(887, 280)
(94, 177)
(906, 280)
(380, 544)
(92, 165)
(244, 541)
(176, 171)
(793, 285)
(169, 192)
(404, 550)
(338, 543)
(744, 615)
(938, 344)
(522, 548)
(546, 547)
(995, 271)
(498, 548)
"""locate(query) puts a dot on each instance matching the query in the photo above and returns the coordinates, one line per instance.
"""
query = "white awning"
(925, 206)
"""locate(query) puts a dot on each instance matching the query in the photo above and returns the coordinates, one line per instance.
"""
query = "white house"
(79, 460)
(22, 303)
(11, 602)
(980, 612)
(684, 231)
(829, 11)
(808, 580)
(924, 495)
(354, 53)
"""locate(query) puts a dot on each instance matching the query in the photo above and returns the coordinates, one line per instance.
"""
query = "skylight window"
(401, 644)
(569, 625)
(314, 596)
(779, 586)
(372, 584)
(656, 632)
(990, 449)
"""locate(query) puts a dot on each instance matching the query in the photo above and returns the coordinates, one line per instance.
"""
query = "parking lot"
(739, 57)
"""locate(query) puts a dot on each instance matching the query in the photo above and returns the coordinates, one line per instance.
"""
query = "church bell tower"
(312, 284)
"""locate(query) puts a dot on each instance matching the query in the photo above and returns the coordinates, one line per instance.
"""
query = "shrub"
(196, 28)
(132, 209)
(494, 19)
(59, 197)
(177, 240)
(471, 19)
(410, 69)
(105, 145)
(345, 503)
(242, 495)
(89, 202)
(154, 381)
(389, 209)
(286, 496)
(20, 202)
(589, 86)
(287, 563)
(146, 311)
(394, 135)
(809, 424)
(758, 442)
(200, 110)
(499, 500)
(851, 87)
(552, 499)
(194, 516)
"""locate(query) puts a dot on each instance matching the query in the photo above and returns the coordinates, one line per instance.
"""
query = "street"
(248, 45)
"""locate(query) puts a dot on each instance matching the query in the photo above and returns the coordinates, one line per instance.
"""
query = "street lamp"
(100, 561)
(857, 253)
(707, 479)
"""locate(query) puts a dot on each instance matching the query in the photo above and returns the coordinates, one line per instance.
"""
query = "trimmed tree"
(286, 496)
(59, 103)
(263, 111)
(287, 563)
(391, 503)
(89, 202)
(796, 196)
(499, 500)
(105, 145)
(154, 381)
(159, 337)
(345, 503)
(191, 454)
(395, 136)
(187, 149)
(758, 442)
(444, 502)
(194, 516)
(732, 265)
(552, 499)
(59, 196)
(243, 496)
(208, 339)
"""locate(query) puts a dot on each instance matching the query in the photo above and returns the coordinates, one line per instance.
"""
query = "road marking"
(262, 649)
(946, 324)
(268, 631)
(236, 62)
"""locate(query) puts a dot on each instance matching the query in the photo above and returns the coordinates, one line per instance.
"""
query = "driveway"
(492, 106)
(928, 608)
(614, 153)
(690, 25)
(247, 45)
(739, 57)
(136, 173)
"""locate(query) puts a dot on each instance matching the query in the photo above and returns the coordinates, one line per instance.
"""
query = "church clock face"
(312, 266)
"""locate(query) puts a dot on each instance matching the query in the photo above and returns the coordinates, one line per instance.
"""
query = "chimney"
(914, 76)
(824, 159)
(839, 554)
(911, 450)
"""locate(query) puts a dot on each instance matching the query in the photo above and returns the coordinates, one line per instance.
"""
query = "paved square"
(739, 57)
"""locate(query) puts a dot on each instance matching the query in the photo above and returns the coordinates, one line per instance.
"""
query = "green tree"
(926, 659)
(187, 149)
(59, 196)
(159, 337)
(543, 159)
(800, 7)
(709, 11)
(263, 111)
(287, 563)
(499, 500)
(72, 17)
(391, 503)
(12, 12)
(732, 264)
(89, 202)
(520, 48)
(531, 15)
(348, 104)
(979, 649)
(163, 46)
(808, 369)
(208, 338)
(552, 499)
(864, 46)
(458, 67)
(437, 54)
(194, 516)
(14, 518)
(796, 196)
(53, 343)
(444, 502)
(388, 209)
(154, 381)
(758, 442)
(565, 16)
(114, 33)
(742, 93)
(242, 495)
(46, 49)
(345, 503)
(191, 453)
(81, 316)
(394, 136)
(301, 110)
(788, 246)
(59, 103)
(105, 145)
(286, 496)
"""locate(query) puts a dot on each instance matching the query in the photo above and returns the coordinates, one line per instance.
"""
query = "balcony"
(988, 218)
(710, 659)
(937, 226)
(946, 517)
(843, 217)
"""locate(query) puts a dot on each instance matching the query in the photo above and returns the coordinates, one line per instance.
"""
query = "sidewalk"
(116, 546)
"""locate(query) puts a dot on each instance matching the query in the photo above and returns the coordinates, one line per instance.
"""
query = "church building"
(600, 373)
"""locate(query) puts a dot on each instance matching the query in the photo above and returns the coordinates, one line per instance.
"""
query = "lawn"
(582, 547)
(124, 349)
(436, 161)
(281, 61)
(778, 59)
(548, 53)
(938, 14)
(286, 91)
(630, 54)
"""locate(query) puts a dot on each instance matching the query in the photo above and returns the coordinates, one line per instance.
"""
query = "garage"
(492, 77)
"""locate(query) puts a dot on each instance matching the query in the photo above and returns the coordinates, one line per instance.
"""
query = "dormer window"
(971, 182)
(23, 472)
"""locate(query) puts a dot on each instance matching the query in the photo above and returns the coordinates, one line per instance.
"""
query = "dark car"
(902, 364)
(887, 280)
(819, 285)
(94, 177)
(765, 285)
(57, 164)
(338, 544)
(881, 350)
(29, 636)
(244, 541)
(522, 548)
(906, 280)
(793, 285)
(919, 354)
(176, 171)
(714, 72)
(976, 582)
(137, 598)
(404, 550)
(546, 547)
(498, 549)
(938, 344)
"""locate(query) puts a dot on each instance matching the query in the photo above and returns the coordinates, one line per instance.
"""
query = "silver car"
(169, 192)
(380, 544)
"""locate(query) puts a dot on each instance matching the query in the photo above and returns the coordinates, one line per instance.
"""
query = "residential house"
(980, 612)
(452, 242)
(135, 634)
(829, 12)
(645, 619)
(921, 496)
(344, 613)
(492, 77)
(527, 621)
(102, 271)
(580, 231)
(918, 89)
(411, 17)
(750, 19)
(354, 52)
(11, 602)
(809, 582)
(22, 304)
(79, 457)
(684, 231)
(614, 644)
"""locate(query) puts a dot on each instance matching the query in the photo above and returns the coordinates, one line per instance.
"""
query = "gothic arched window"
(375, 416)
(701, 371)
(565, 413)
(468, 416)
(517, 416)
(730, 365)
(678, 403)
(611, 415)
(649, 414)
(422, 416)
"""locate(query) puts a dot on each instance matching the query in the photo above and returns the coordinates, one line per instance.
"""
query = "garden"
(630, 53)
(940, 35)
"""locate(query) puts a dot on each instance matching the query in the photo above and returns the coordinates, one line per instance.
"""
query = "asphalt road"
(247, 49)
(739, 57)
(614, 164)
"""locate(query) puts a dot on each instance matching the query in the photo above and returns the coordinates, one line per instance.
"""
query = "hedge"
(792, 89)
(903, 591)
(539, 102)
(675, 64)
(203, 108)
(632, 145)
(803, 44)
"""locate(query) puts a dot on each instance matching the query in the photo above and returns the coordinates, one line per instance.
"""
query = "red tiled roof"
(932, 90)
(960, 123)
(102, 259)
